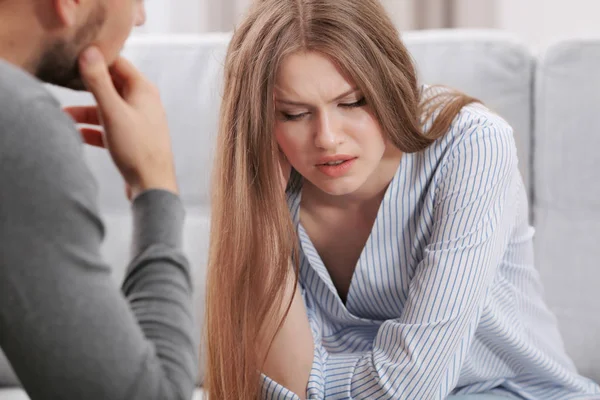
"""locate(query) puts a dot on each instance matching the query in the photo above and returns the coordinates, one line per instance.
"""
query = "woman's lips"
(336, 170)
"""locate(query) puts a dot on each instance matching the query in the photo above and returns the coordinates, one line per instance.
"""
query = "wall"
(192, 16)
(539, 22)
(536, 22)
(402, 12)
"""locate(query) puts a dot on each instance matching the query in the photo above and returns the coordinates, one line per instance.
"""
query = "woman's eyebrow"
(300, 104)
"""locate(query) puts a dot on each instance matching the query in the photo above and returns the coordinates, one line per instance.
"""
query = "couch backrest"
(567, 193)
(492, 66)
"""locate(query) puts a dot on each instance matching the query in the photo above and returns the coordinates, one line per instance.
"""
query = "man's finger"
(126, 77)
(84, 114)
(97, 79)
(125, 72)
(92, 137)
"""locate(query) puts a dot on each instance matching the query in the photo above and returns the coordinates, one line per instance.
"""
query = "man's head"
(74, 25)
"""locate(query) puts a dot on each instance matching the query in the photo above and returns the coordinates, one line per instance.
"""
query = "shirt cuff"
(274, 391)
(332, 374)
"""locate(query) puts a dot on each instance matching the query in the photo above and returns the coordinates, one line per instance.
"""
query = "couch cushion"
(492, 66)
(567, 193)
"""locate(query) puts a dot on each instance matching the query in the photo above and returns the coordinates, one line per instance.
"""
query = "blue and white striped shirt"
(445, 298)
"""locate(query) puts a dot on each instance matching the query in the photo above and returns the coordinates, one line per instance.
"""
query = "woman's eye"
(360, 103)
(293, 117)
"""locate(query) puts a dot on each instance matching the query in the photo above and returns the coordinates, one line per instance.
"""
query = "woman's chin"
(337, 187)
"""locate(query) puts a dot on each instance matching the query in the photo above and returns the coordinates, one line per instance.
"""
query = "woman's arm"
(290, 357)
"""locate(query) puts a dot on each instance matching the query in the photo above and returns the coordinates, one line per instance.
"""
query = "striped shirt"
(445, 298)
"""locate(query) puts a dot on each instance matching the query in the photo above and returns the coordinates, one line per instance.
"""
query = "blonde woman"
(399, 262)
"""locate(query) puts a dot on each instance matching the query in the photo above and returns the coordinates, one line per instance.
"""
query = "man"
(64, 327)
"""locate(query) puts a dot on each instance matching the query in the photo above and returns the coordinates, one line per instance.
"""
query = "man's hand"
(134, 123)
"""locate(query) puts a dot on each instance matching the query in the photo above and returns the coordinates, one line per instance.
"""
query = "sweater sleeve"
(65, 326)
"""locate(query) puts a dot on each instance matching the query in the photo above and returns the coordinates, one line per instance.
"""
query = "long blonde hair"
(252, 235)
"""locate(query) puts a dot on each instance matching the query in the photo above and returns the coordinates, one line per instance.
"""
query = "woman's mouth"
(336, 168)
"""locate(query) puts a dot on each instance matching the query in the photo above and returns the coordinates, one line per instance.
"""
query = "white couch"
(552, 101)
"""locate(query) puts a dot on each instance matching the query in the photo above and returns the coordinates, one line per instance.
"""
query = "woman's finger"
(84, 114)
(92, 137)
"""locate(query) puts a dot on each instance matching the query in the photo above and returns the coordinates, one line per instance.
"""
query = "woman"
(399, 264)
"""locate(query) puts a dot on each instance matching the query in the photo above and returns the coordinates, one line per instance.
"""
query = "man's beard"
(59, 63)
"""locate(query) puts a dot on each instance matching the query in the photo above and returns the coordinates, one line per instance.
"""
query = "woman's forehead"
(309, 73)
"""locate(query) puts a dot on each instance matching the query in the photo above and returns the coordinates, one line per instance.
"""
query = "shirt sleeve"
(419, 355)
(65, 326)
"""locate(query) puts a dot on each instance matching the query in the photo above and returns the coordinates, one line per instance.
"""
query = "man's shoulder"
(39, 143)
(18, 89)
(32, 123)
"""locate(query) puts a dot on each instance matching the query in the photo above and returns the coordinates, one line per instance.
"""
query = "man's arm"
(67, 330)
(64, 325)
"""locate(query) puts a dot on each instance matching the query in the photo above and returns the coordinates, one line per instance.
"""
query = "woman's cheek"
(295, 144)
(293, 154)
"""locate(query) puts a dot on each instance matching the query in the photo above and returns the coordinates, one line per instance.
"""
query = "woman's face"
(324, 126)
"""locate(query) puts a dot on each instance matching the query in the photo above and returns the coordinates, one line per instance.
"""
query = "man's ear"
(67, 10)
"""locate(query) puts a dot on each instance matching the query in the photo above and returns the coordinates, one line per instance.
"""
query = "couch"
(552, 99)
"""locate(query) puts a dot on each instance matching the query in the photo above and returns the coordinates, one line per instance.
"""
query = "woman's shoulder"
(474, 122)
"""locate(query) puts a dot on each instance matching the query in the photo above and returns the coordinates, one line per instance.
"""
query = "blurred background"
(535, 22)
